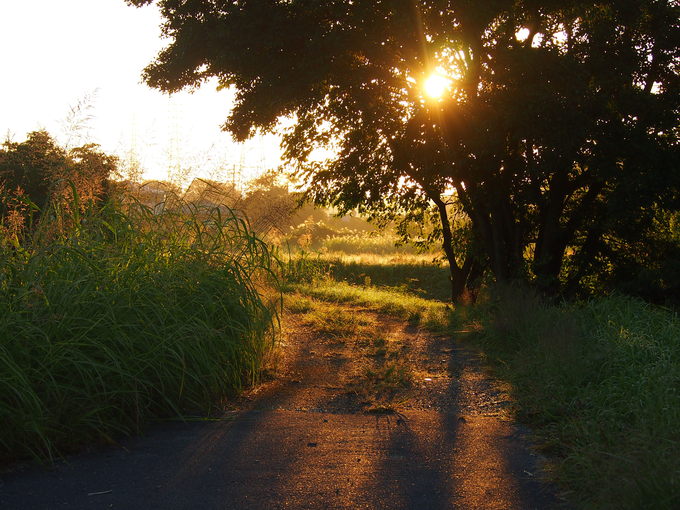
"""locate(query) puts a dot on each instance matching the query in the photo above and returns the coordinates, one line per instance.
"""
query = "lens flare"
(436, 85)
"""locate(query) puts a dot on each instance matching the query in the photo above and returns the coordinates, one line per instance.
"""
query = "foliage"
(287, 220)
(30, 165)
(38, 174)
(649, 267)
(272, 210)
(130, 315)
(559, 133)
(270, 206)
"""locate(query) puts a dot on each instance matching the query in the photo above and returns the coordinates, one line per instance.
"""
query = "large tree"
(557, 131)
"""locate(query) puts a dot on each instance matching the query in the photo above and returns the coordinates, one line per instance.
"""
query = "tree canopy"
(557, 133)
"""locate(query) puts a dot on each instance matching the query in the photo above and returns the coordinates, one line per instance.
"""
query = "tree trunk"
(554, 238)
(457, 274)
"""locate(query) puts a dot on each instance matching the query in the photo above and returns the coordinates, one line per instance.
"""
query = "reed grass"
(125, 315)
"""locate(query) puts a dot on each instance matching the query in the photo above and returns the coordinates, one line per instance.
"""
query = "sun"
(436, 85)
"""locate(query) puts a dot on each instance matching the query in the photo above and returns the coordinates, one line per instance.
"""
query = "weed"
(389, 376)
(335, 322)
(298, 304)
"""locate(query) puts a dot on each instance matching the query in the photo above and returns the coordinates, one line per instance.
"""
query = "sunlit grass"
(367, 245)
(433, 314)
(416, 275)
(382, 287)
(387, 259)
(335, 322)
(298, 304)
(381, 372)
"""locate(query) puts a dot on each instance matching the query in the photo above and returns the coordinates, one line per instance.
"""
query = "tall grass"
(124, 316)
(304, 267)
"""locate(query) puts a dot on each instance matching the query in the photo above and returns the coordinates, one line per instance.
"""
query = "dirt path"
(389, 417)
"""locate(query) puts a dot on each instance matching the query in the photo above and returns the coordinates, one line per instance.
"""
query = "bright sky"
(54, 54)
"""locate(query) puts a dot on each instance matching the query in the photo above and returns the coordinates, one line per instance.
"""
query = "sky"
(56, 54)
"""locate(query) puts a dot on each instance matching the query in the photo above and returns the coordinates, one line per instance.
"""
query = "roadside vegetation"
(115, 313)
(600, 382)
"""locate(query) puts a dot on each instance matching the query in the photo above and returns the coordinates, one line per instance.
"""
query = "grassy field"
(376, 243)
(118, 319)
(598, 381)
(421, 274)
